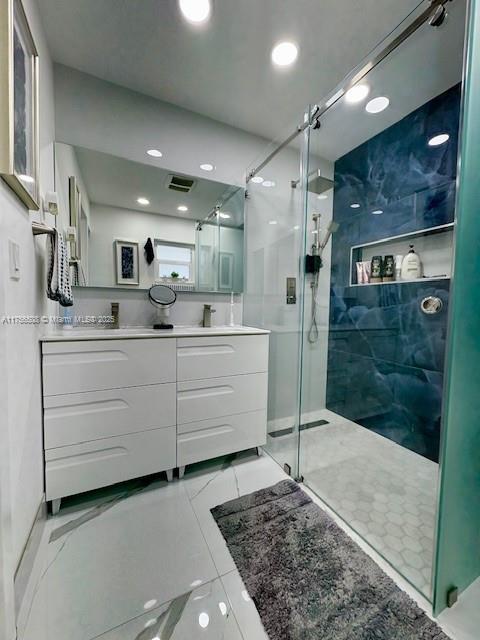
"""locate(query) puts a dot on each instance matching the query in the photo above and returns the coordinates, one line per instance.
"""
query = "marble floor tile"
(145, 550)
(202, 612)
(237, 476)
(145, 561)
(243, 607)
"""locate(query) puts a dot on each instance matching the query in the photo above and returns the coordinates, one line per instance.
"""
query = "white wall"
(21, 426)
(111, 223)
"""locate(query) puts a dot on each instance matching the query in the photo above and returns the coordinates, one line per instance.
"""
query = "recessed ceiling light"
(195, 10)
(203, 620)
(273, 222)
(322, 196)
(268, 183)
(314, 232)
(143, 201)
(355, 205)
(182, 207)
(377, 212)
(357, 93)
(225, 216)
(257, 179)
(284, 54)
(155, 153)
(296, 227)
(207, 166)
(439, 139)
(376, 105)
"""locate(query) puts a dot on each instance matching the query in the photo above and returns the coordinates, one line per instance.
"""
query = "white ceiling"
(118, 182)
(428, 63)
(222, 70)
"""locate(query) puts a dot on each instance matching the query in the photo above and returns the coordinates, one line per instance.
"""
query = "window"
(173, 257)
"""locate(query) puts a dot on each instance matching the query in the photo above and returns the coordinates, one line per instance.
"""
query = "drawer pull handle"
(210, 350)
(83, 357)
(86, 457)
(85, 408)
(205, 392)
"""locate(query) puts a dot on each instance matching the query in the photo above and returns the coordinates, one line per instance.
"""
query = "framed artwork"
(18, 104)
(75, 198)
(126, 254)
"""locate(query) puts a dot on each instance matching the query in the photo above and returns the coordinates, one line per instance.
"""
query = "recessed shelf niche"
(434, 246)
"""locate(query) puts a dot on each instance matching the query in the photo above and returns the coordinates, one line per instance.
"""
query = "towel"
(149, 252)
(58, 276)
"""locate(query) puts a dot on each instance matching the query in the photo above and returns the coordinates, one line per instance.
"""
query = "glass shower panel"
(376, 313)
(206, 250)
(274, 215)
(458, 539)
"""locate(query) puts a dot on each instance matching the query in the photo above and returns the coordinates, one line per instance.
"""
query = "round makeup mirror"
(163, 298)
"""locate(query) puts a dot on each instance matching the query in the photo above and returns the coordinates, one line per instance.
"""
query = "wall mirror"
(136, 225)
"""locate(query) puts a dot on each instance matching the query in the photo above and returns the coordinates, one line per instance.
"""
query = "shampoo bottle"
(411, 266)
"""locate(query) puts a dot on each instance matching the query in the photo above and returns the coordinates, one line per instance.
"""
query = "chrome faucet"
(115, 315)
(207, 315)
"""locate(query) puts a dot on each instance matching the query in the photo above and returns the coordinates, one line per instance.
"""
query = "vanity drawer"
(86, 466)
(204, 399)
(80, 417)
(218, 356)
(93, 365)
(211, 438)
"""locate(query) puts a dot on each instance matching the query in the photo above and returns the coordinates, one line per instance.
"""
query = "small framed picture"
(18, 104)
(126, 253)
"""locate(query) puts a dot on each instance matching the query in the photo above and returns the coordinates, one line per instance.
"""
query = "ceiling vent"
(180, 183)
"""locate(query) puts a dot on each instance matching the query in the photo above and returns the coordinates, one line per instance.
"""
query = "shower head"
(317, 183)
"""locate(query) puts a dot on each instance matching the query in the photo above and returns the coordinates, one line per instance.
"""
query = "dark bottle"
(376, 269)
(388, 273)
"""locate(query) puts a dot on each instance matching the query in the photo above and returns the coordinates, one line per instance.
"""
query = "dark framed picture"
(18, 104)
(126, 253)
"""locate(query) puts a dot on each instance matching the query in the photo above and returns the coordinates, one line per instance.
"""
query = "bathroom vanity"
(120, 404)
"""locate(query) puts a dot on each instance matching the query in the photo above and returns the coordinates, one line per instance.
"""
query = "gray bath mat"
(308, 579)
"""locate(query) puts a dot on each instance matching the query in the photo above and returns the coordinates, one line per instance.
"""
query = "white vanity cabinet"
(222, 385)
(125, 407)
(109, 412)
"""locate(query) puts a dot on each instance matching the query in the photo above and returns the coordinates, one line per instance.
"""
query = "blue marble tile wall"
(386, 357)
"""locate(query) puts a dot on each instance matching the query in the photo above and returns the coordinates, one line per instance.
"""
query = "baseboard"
(27, 560)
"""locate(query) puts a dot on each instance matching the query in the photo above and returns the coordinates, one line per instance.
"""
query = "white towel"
(58, 276)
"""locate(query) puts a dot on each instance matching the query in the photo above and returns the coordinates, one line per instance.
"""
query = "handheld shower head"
(332, 227)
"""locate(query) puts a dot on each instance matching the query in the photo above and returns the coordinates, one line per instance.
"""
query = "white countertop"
(80, 333)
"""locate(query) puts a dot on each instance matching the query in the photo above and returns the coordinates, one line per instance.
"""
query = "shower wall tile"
(400, 403)
(386, 322)
(386, 357)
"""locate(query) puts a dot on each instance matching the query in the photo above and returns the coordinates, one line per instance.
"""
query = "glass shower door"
(273, 291)
(374, 332)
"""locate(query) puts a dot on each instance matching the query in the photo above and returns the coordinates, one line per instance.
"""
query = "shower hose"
(313, 333)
